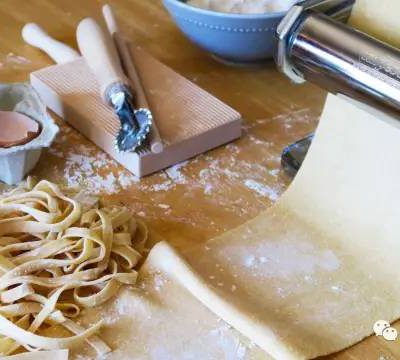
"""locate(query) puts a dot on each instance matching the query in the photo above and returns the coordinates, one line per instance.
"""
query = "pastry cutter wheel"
(314, 44)
(101, 55)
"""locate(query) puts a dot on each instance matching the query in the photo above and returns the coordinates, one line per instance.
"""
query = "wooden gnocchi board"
(190, 120)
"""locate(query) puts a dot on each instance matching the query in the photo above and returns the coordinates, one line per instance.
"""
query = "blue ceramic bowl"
(238, 38)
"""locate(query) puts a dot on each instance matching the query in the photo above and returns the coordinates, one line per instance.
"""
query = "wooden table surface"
(210, 194)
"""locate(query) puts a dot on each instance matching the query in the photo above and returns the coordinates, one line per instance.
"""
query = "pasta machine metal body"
(314, 44)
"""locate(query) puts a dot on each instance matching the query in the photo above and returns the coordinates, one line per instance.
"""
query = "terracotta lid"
(16, 129)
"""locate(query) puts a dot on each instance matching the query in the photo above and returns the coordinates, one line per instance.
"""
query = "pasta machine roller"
(314, 44)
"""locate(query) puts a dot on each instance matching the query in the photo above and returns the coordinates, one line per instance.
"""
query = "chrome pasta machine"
(315, 44)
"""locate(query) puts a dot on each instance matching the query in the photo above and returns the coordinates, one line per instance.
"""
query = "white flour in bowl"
(244, 6)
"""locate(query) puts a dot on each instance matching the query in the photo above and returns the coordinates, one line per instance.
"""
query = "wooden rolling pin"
(100, 53)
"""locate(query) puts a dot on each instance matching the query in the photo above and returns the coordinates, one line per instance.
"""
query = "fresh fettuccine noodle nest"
(56, 258)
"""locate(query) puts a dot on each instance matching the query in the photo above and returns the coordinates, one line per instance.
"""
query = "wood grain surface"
(210, 194)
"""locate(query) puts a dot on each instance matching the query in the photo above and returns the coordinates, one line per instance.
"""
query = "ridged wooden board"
(190, 120)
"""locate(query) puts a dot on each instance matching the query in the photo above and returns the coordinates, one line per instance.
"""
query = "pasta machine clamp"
(288, 30)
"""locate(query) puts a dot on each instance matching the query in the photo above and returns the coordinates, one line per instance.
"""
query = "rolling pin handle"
(110, 20)
(101, 55)
(34, 35)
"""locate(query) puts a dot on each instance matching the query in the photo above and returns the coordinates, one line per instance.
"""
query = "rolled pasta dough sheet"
(161, 319)
(319, 268)
(378, 18)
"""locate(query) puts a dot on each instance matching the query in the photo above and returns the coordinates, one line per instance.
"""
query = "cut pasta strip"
(12, 331)
(56, 258)
(15, 294)
(40, 355)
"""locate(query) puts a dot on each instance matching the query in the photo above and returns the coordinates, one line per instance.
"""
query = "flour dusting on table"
(11, 58)
(261, 189)
(92, 170)
(234, 182)
(174, 173)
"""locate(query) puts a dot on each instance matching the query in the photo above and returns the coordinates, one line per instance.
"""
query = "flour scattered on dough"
(281, 259)
(249, 261)
(337, 288)
(156, 284)
(231, 346)
(159, 282)
(219, 343)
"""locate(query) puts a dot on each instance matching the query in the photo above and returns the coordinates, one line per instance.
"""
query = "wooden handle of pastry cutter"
(34, 35)
(155, 141)
(97, 48)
